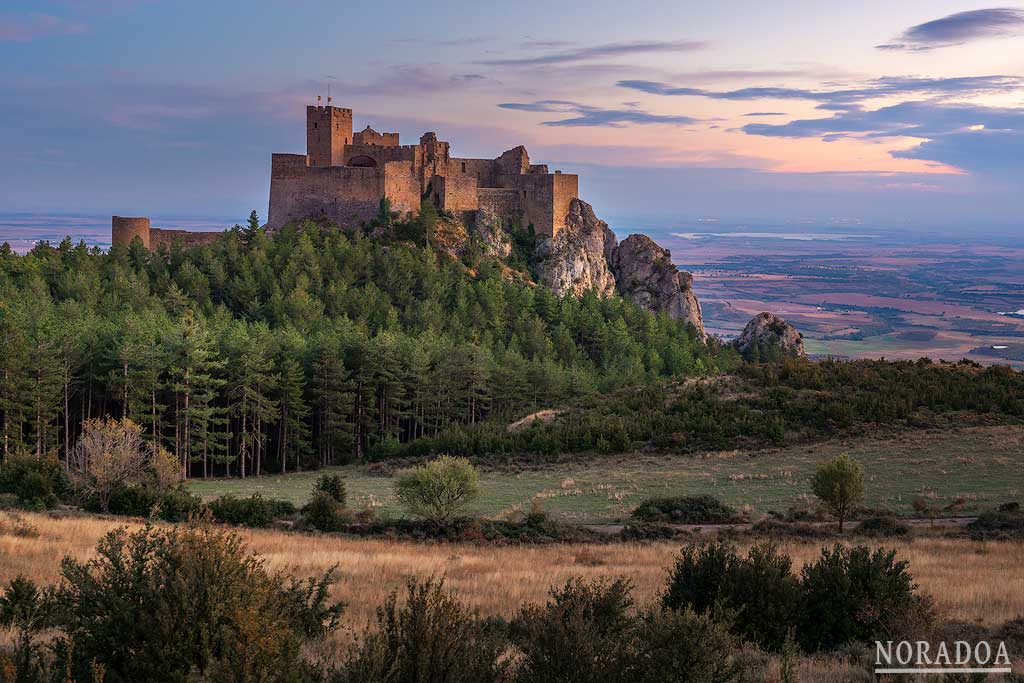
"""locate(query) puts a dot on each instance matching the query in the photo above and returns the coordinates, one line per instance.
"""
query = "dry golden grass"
(972, 581)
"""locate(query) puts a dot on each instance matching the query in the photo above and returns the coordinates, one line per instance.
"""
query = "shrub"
(323, 512)
(839, 483)
(37, 482)
(702, 509)
(589, 633)
(849, 593)
(583, 634)
(996, 523)
(186, 603)
(135, 501)
(432, 638)
(759, 591)
(439, 489)
(681, 646)
(883, 525)
(333, 485)
(254, 511)
(177, 505)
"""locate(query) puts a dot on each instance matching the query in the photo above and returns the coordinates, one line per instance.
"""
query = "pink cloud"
(23, 28)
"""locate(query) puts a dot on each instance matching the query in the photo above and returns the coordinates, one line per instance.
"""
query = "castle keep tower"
(328, 130)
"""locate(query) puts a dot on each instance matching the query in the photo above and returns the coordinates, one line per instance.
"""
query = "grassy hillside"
(982, 465)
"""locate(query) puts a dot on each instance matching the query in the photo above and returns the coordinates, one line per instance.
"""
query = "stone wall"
(123, 231)
(188, 238)
(481, 169)
(380, 154)
(402, 187)
(342, 194)
(368, 136)
(500, 201)
(455, 192)
(345, 195)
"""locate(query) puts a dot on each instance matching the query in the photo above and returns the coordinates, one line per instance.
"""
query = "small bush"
(438, 490)
(254, 511)
(849, 593)
(432, 638)
(333, 485)
(177, 505)
(884, 525)
(323, 512)
(134, 501)
(994, 523)
(702, 509)
(582, 634)
(681, 646)
(37, 482)
(759, 590)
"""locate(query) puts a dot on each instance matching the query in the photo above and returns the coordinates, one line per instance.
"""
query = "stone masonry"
(344, 175)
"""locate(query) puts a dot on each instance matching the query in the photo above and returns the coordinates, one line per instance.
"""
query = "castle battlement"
(344, 175)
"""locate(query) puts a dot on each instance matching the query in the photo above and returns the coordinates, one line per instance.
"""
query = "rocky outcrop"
(490, 231)
(584, 255)
(767, 333)
(644, 272)
(577, 258)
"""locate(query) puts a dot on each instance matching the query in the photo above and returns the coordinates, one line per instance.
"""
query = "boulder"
(766, 332)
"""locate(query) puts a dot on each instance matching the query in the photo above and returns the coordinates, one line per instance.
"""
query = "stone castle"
(343, 176)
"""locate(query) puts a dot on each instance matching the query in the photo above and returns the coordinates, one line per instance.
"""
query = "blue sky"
(903, 115)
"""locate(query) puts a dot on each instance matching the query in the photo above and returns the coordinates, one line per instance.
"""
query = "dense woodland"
(310, 347)
(317, 346)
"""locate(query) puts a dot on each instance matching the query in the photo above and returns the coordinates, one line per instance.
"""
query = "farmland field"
(976, 467)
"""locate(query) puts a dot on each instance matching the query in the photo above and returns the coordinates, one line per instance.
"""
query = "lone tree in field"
(839, 483)
(112, 454)
(439, 489)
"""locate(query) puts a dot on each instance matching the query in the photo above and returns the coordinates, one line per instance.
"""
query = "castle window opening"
(463, 166)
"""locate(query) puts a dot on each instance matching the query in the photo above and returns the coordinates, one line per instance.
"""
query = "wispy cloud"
(959, 28)
(596, 116)
(23, 28)
(600, 52)
(765, 113)
(844, 98)
(970, 137)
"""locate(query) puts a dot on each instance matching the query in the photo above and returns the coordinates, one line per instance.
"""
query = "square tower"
(328, 130)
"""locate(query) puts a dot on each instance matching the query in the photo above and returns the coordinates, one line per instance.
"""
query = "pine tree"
(195, 381)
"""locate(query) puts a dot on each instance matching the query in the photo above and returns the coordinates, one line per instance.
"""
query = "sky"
(897, 115)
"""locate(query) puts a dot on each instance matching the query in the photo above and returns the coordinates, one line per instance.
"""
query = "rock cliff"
(577, 258)
(584, 255)
(644, 272)
(766, 332)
